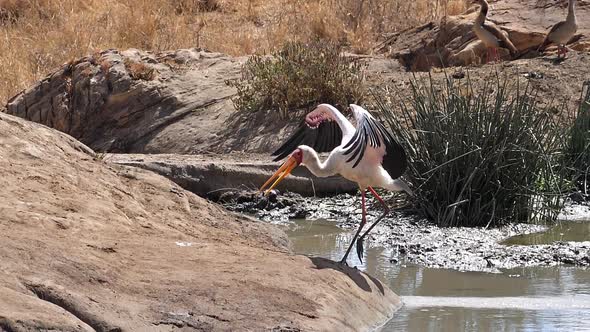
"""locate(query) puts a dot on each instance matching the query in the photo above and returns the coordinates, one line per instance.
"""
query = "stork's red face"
(294, 160)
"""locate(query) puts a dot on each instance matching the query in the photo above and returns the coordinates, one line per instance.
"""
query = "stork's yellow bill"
(282, 172)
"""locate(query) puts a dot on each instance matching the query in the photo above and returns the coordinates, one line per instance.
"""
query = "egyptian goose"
(490, 35)
(563, 31)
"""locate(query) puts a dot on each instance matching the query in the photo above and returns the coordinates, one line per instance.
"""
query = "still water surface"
(525, 299)
(577, 231)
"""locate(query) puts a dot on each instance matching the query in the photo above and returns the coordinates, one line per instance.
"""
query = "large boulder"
(91, 246)
(136, 101)
(451, 42)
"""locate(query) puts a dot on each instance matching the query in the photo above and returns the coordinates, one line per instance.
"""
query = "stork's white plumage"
(366, 154)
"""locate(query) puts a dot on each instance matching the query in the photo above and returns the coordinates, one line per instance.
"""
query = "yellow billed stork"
(367, 155)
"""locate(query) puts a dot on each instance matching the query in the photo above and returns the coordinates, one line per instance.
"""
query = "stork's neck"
(571, 11)
(317, 167)
(483, 13)
(340, 119)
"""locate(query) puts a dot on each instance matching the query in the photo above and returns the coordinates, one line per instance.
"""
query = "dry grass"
(139, 70)
(36, 36)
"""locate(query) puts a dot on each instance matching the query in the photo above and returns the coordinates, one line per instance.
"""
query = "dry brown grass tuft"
(139, 70)
(37, 36)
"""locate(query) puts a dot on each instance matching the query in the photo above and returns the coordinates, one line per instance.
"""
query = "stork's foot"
(343, 262)
(360, 248)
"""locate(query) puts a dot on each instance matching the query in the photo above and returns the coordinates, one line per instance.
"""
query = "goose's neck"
(483, 13)
(571, 11)
(317, 167)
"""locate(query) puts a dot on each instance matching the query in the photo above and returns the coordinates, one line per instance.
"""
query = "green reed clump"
(297, 76)
(479, 158)
(578, 144)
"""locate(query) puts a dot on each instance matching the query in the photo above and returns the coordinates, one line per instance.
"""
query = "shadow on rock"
(354, 274)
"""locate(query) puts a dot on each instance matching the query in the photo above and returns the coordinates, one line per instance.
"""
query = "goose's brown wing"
(505, 42)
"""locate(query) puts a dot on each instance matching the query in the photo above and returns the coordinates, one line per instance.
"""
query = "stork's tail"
(399, 185)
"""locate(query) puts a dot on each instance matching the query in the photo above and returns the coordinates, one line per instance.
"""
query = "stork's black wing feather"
(324, 138)
(395, 161)
(372, 133)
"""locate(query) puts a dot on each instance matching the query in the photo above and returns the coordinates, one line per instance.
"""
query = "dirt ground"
(87, 245)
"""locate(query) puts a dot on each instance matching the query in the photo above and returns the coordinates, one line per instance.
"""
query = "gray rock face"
(135, 101)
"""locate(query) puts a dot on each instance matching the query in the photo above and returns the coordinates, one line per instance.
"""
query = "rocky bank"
(417, 241)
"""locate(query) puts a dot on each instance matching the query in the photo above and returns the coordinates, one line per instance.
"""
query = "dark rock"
(244, 197)
(577, 197)
(297, 213)
(534, 75)
(272, 196)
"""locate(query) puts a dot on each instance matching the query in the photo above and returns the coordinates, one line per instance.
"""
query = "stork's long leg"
(360, 241)
(363, 222)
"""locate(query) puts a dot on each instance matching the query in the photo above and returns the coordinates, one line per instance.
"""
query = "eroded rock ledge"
(211, 176)
(116, 101)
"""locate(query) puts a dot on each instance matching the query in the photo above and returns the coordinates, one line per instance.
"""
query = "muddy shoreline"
(412, 239)
(417, 241)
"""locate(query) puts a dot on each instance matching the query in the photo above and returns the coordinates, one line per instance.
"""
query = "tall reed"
(578, 147)
(479, 157)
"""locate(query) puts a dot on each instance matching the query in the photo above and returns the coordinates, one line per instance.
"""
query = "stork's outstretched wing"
(370, 134)
(323, 138)
(323, 129)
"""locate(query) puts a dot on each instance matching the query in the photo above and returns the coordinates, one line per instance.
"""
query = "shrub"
(10, 10)
(578, 144)
(298, 76)
(480, 158)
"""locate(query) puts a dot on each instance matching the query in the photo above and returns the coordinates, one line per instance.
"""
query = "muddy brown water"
(564, 231)
(524, 299)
